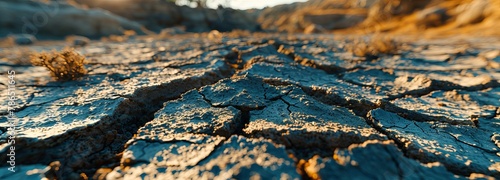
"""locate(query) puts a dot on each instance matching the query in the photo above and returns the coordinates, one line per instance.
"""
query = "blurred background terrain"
(56, 19)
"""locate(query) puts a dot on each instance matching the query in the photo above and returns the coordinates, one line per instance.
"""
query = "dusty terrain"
(265, 106)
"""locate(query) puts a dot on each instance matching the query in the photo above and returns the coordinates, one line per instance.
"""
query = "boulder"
(472, 12)
(78, 40)
(313, 28)
(22, 39)
(173, 31)
(432, 17)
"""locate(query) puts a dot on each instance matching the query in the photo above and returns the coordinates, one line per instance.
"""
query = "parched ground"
(270, 107)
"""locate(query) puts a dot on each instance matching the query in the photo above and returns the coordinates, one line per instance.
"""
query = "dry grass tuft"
(373, 46)
(63, 66)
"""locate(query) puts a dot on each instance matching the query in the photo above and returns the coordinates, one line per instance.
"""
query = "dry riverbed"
(270, 107)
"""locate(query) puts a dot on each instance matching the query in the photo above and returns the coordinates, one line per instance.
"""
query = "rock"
(214, 35)
(490, 54)
(362, 3)
(431, 17)
(313, 28)
(172, 31)
(493, 57)
(362, 161)
(155, 15)
(299, 17)
(159, 14)
(471, 13)
(22, 39)
(78, 40)
(386, 9)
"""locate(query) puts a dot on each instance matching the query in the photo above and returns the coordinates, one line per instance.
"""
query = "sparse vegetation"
(373, 46)
(63, 66)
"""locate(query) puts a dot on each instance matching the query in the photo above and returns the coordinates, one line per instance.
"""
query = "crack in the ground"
(472, 145)
(244, 121)
(217, 146)
(400, 144)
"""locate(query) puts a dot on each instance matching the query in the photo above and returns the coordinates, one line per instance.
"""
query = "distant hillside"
(392, 16)
(59, 19)
(97, 18)
(158, 14)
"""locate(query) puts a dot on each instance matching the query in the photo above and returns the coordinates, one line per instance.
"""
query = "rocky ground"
(268, 107)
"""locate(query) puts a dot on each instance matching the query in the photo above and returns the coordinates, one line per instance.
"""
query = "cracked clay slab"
(362, 161)
(461, 149)
(214, 158)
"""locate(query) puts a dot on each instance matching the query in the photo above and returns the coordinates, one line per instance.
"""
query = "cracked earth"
(266, 107)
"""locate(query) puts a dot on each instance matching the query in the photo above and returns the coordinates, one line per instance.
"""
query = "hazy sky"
(247, 4)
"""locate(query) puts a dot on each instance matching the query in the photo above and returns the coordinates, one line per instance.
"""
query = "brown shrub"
(63, 66)
(373, 46)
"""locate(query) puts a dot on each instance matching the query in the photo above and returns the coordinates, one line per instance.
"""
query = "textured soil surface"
(268, 107)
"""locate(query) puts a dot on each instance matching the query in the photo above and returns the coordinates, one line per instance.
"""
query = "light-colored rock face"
(267, 107)
(420, 18)
(61, 19)
(158, 14)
